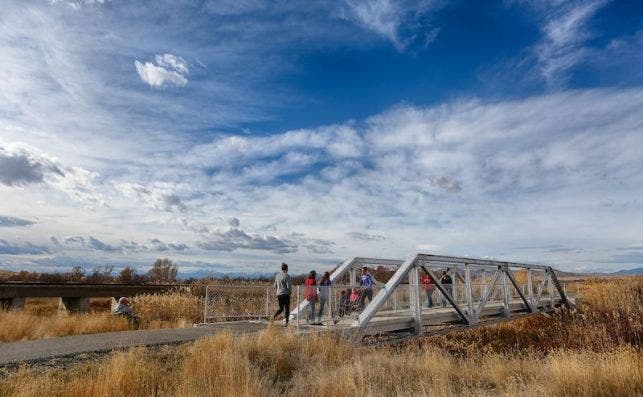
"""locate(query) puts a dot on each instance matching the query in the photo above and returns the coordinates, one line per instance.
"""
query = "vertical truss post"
(469, 297)
(267, 300)
(414, 295)
(505, 292)
(484, 282)
(454, 278)
(550, 291)
(353, 278)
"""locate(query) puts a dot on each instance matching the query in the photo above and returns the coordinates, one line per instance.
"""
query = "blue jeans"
(322, 304)
(429, 296)
(311, 313)
(449, 289)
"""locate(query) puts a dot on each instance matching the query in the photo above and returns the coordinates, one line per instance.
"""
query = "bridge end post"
(416, 305)
(73, 304)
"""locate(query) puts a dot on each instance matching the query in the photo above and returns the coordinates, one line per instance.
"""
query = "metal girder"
(475, 261)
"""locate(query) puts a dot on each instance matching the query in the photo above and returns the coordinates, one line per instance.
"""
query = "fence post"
(297, 322)
(267, 308)
(505, 292)
(205, 308)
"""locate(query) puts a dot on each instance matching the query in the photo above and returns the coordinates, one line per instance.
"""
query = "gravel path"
(46, 349)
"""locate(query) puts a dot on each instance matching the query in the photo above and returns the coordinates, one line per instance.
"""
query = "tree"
(127, 275)
(163, 271)
(77, 274)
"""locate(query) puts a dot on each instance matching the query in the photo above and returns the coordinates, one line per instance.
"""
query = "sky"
(232, 135)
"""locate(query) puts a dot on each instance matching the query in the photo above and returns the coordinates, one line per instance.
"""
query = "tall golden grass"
(41, 318)
(594, 351)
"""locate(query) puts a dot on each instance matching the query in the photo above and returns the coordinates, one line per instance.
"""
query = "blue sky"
(233, 135)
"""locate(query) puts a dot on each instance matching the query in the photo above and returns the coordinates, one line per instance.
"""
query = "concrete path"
(46, 349)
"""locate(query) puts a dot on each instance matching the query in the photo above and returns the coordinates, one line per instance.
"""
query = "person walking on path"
(366, 282)
(447, 283)
(283, 285)
(428, 285)
(324, 294)
(310, 293)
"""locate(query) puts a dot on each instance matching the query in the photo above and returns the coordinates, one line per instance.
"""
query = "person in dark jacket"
(447, 283)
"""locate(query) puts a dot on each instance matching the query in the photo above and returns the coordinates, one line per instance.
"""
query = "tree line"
(163, 271)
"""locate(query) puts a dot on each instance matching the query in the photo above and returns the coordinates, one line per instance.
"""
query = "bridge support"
(73, 305)
(12, 303)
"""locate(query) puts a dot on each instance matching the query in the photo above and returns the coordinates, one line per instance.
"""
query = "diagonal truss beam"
(520, 293)
(448, 295)
(541, 288)
(485, 298)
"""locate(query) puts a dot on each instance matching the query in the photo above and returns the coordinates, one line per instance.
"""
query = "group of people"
(315, 292)
(429, 286)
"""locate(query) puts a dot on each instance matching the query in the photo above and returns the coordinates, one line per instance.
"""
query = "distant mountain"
(638, 270)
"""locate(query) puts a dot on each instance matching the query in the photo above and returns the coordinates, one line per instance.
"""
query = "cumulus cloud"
(20, 166)
(168, 70)
(234, 239)
(10, 221)
(9, 248)
(159, 195)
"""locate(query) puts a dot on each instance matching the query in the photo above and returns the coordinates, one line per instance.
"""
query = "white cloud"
(389, 18)
(169, 70)
(565, 31)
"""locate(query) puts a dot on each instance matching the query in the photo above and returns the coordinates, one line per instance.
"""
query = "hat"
(313, 273)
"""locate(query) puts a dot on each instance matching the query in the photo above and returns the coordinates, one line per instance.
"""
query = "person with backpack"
(283, 285)
(447, 283)
(324, 294)
(428, 285)
(310, 293)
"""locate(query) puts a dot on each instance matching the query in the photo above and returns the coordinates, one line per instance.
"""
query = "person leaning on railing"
(123, 309)
(283, 285)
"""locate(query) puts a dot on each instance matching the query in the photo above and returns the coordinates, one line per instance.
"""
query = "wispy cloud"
(565, 33)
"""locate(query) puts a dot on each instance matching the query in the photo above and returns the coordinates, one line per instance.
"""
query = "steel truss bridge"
(482, 292)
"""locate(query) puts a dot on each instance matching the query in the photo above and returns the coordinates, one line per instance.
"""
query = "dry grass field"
(41, 318)
(593, 351)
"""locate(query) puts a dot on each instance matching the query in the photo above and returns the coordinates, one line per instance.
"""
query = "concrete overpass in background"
(74, 297)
